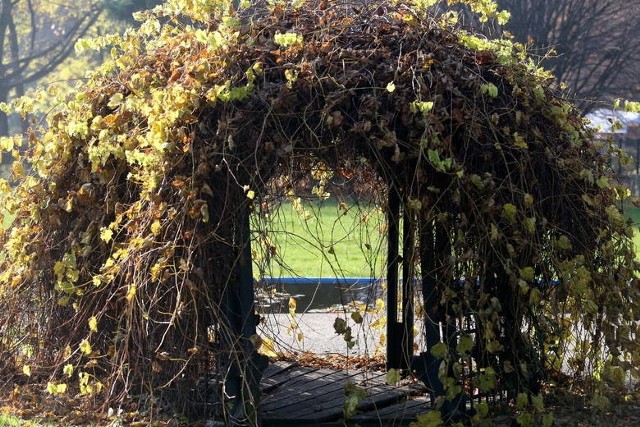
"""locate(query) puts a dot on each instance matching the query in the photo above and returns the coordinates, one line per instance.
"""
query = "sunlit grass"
(324, 239)
(10, 421)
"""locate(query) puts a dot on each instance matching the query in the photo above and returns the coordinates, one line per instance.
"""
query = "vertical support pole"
(245, 278)
(399, 331)
(245, 365)
(427, 365)
(408, 250)
(394, 332)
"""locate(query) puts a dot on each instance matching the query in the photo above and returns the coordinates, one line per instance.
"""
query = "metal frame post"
(399, 331)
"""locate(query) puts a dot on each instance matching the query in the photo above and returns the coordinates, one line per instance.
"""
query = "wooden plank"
(324, 402)
(308, 387)
(359, 379)
(283, 377)
(395, 414)
(330, 406)
(298, 395)
(277, 368)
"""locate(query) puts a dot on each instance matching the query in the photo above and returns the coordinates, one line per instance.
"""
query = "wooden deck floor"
(294, 395)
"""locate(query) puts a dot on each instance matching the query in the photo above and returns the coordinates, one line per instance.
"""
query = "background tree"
(123, 9)
(596, 44)
(35, 37)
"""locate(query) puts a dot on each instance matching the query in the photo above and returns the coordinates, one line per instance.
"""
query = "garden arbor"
(138, 256)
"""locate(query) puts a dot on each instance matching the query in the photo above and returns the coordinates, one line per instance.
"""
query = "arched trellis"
(493, 179)
(446, 172)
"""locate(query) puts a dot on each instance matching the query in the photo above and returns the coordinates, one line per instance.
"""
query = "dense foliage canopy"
(125, 229)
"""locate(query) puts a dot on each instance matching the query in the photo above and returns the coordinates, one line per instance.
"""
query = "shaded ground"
(320, 348)
(24, 406)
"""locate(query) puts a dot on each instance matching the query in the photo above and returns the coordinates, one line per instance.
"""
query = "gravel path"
(318, 333)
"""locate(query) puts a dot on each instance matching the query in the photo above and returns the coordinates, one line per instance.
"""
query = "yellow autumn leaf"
(132, 292)
(156, 227)
(68, 369)
(115, 100)
(267, 347)
(106, 234)
(26, 369)
(85, 347)
(93, 324)
(204, 212)
(53, 388)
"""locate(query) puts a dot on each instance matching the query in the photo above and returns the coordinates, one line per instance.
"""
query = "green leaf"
(503, 17)
(54, 389)
(547, 419)
(430, 419)
(357, 317)
(487, 380)
(509, 212)
(518, 141)
(106, 234)
(439, 350)
(424, 107)
(525, 419)
(527, 273)
(522, 401)
(490, 89)
(602, 182)
(340, 325)
(538, 403)
(528, 199)
(529, 224)
(353, 396)
(563, 243)
(632, 107)
(494, 346)
(465, 344)
(393, 376)
(482, 409)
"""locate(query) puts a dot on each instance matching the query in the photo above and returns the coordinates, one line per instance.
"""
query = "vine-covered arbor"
(127, 270)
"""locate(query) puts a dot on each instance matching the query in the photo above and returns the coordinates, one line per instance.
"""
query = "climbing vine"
(126, 206)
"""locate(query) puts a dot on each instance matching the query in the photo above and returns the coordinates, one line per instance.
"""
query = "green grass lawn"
(322, 239)
(330, 242)
(9, 420)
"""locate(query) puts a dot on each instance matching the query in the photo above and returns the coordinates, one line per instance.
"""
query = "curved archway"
(146, 183)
